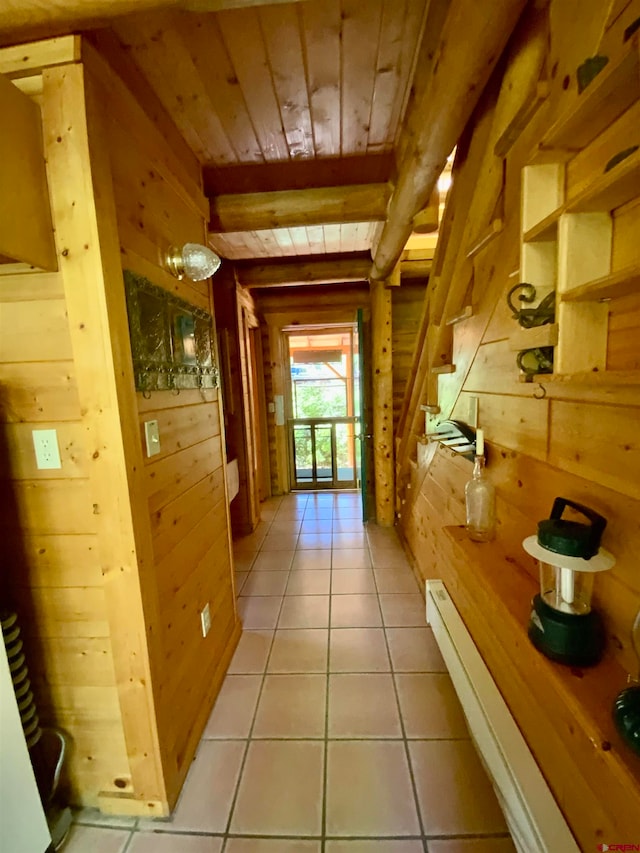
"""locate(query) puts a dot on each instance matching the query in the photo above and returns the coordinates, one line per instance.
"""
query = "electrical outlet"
(45, 443)
(205, 619)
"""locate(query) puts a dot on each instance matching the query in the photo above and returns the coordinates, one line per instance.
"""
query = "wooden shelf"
(608, 95)
(591, 377)
(26, 227)
(444, 368)
(544, 230)
(620, 283)
(542, 199)
(483, 240)
(466, 312)
(521, 119)
(499, 583)
(567, 229)
(612, 189)
(539, 336)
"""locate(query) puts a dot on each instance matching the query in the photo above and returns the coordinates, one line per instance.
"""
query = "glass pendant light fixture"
(192, 261)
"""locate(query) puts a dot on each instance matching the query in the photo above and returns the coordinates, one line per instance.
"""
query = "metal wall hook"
(540, 393)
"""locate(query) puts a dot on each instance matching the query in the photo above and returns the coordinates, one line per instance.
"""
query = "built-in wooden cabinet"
(586, 166)
(26, 229)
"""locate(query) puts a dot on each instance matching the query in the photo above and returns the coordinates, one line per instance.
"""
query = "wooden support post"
(382, 402)
(89, 258)
(279, 361)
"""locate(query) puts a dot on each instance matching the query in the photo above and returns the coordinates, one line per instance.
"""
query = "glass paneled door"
(323, 424)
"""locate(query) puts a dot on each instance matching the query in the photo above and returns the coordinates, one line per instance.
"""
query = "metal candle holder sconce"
(536, 359)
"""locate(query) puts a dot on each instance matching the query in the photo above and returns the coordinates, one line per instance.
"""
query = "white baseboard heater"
(534, 819)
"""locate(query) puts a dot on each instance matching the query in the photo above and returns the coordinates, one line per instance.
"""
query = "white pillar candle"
(479, 443)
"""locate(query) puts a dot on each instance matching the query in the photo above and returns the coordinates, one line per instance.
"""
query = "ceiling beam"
(461, 69)
(20, 18)
(293, 208)
(415, 268)
(311, 271)
(298, 174)
(287, 274)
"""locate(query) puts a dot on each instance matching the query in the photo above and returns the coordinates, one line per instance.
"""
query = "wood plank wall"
(158, 202)
(579, 441)
(115, 641)
(231, 303)
(406, 306)
(51, 571)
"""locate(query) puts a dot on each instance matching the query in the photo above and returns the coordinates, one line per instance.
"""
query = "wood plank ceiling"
(287, 97)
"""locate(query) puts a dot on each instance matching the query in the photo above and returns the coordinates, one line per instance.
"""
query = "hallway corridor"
(337, 729)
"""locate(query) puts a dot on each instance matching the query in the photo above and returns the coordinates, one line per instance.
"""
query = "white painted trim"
(535, 821)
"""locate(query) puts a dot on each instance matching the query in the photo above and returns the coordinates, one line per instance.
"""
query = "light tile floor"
(337, 729)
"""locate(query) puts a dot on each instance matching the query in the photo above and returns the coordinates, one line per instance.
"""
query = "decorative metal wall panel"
(171, 340)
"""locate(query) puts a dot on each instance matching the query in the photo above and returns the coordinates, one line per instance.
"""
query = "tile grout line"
(323, 842)
(253, 721)
(403, 729)
(127, 844)
(225, 837)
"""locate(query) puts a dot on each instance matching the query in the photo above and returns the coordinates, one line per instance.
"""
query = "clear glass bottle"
(480, 497)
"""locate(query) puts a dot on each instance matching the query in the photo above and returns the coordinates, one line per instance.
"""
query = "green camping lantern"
(563, 625)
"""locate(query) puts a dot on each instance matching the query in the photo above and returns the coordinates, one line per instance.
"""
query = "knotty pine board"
(174, 474)
(579, 442)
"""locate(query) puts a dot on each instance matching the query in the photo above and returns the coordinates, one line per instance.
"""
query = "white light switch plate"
(45, 443)
(279, 401)
(152, 436)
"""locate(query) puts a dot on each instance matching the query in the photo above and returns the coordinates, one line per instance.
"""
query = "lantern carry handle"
(598, 522)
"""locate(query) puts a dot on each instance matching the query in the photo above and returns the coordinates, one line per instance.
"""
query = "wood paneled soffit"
(292, 208)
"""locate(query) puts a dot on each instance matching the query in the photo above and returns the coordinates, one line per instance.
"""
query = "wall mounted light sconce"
(192, 261)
